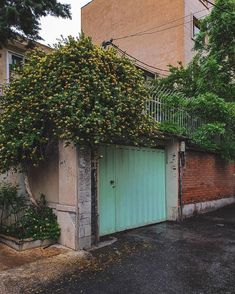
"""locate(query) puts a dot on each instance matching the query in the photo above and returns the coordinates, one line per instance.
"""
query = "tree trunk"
(29, 191)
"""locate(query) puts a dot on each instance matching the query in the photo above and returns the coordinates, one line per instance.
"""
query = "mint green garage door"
(131, 188)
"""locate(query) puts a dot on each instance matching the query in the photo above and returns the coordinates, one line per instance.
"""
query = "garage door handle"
(112, 182)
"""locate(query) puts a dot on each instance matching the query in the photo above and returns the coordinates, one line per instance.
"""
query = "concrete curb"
(190, 210)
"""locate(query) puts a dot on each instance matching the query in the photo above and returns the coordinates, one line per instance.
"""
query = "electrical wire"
(158, 31)
(140, 61)
(156, 27)
(147, 32)
(140, 65)
(204, 4)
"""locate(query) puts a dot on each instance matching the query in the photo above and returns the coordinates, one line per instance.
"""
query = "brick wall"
(207, 177)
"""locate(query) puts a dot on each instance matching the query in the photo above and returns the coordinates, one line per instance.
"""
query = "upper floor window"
(13, 59)
(196, 26)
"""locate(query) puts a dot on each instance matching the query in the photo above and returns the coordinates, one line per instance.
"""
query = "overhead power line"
(162, 30)
(156, 27)
(140, 65)
(148, 32)
(203, 3)
(141, 33)
(110, 42)
(139, 61)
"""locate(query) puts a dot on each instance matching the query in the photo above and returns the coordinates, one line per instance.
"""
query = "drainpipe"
(181, 167)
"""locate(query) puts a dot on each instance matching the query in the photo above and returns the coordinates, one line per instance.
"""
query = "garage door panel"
(139, 187)
(107, 208)
(126, 191)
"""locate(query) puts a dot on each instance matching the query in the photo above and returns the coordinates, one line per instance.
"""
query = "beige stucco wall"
(103, 20)
(45, 178)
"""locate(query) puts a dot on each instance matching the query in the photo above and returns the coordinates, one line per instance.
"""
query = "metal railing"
(161, 112)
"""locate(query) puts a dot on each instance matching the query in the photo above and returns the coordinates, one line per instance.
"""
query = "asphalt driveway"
(196, 256)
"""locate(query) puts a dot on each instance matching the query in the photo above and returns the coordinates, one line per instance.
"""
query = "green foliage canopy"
(208, 81)
(217, 35)
(21, 17)
(213, 117)
(79, 93)
(213, 67)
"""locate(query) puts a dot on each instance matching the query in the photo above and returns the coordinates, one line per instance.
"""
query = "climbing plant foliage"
(213, 67)
(78, 92)
(208, 81)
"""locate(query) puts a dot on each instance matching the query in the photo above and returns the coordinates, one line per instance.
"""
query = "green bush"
(78, 93)
(171, 128)
(12, 205)
(39, 223)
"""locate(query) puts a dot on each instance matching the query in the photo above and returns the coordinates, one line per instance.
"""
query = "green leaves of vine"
(78, 92)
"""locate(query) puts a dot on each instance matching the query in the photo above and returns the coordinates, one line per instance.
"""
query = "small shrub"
(12, 205)
(171, 128)
(39, 223)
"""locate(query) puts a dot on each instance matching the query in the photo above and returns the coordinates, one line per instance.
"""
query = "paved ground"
(22, 271)
(196, 256)
(10, 258)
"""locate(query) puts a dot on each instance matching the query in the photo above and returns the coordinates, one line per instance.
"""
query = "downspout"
(181, 167)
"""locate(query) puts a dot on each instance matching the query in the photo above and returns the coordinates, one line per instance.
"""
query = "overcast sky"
(53, 28)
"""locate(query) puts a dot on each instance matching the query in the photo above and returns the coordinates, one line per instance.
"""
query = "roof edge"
(87, 4)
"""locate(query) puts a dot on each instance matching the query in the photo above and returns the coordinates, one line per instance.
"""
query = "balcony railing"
(162, 113)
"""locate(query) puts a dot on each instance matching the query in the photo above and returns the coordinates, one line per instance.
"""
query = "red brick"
(207, 177)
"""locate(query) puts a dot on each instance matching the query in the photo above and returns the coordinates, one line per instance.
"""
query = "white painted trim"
(9, 52)
(203, 207)
(7, 67)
